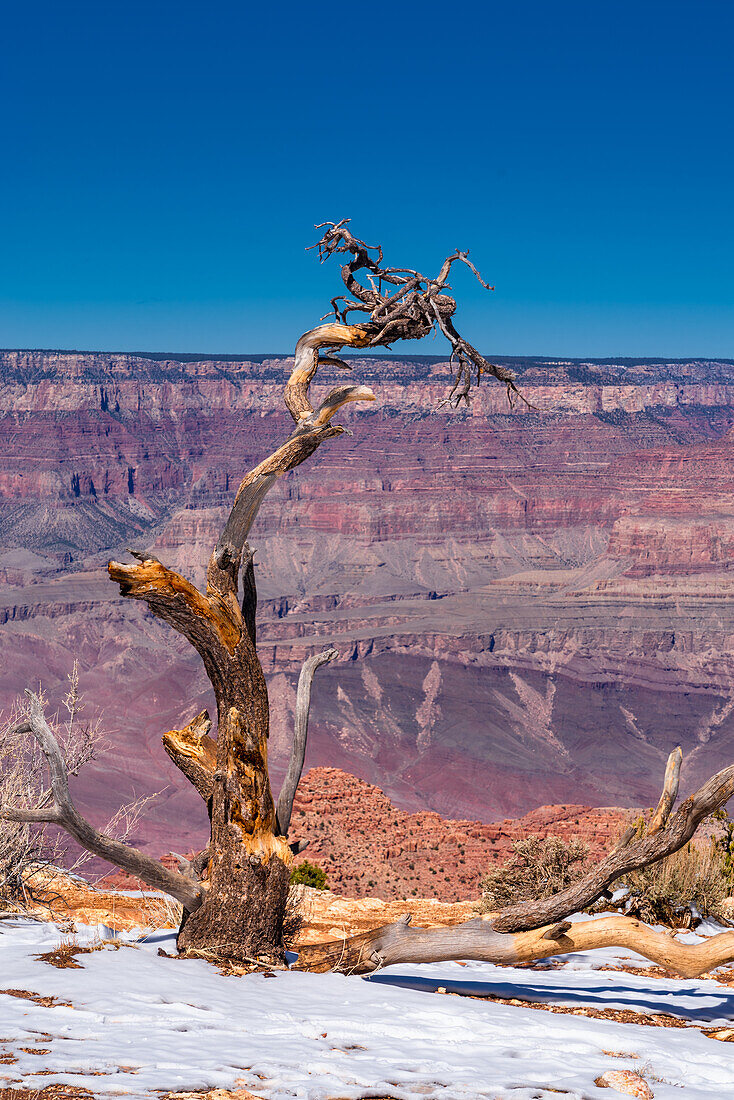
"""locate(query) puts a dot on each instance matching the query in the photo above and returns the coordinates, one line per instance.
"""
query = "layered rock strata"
(532, 606)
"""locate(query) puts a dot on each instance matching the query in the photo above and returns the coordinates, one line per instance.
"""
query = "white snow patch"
(180, 1024)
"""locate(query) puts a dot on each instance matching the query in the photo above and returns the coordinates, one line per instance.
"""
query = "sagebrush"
(689, 884)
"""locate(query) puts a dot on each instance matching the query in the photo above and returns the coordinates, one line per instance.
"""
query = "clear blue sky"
(163, 165)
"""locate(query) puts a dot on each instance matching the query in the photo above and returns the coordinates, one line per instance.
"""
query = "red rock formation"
(369, 848)
(534, 606)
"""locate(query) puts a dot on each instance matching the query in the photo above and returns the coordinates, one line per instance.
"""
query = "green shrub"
(538, 868)
(308, 874)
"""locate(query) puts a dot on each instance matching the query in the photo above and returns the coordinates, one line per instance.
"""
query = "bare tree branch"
(63, 812)
(650, 848)
(194, 753)
(300, 735)
(669, 792)
(410, 312)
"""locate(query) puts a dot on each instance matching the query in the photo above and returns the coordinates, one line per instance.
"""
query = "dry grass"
(689, 882)
(63, 956)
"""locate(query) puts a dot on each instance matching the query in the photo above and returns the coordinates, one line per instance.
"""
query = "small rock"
(626, 1082)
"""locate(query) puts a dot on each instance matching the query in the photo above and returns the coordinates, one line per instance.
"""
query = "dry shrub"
(692, 882)
(28, 850)
(538, 868)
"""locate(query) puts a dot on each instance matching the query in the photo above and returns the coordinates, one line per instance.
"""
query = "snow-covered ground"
(141, 1022)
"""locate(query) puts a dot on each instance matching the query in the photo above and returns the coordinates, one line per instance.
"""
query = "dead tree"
(234, 893)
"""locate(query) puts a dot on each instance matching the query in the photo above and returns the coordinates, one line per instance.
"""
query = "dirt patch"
(45, 1002)
(619, 1015)
(50, 1092)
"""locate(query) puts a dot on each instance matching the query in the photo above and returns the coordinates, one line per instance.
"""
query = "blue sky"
(164, 164)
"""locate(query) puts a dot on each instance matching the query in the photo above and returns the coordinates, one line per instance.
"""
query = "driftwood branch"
(649, 848)
(479, 939)
(300, 735)
(63, 812)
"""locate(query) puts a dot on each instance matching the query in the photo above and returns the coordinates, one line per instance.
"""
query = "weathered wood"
(249, 593)
(479, 939)
(669, 792)
(64, 813)
(413, 306)
(306, 362)
(638, 853)
(194, 752)
(206, 621)
(300, 736)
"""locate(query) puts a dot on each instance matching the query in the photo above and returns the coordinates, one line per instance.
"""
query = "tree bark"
(246, 878)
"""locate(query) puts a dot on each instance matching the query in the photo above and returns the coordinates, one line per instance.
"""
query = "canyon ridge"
(532, 605)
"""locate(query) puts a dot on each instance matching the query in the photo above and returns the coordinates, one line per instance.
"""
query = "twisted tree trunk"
(245, 871)
(246, 876)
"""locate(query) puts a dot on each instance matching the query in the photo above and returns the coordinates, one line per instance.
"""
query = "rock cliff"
(532, 605)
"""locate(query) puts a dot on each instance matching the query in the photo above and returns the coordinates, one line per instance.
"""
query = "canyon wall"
(533, 605)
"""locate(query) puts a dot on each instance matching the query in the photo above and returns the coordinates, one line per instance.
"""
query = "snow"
(141, 1023)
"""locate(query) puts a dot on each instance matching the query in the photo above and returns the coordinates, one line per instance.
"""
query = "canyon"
(532, 604)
